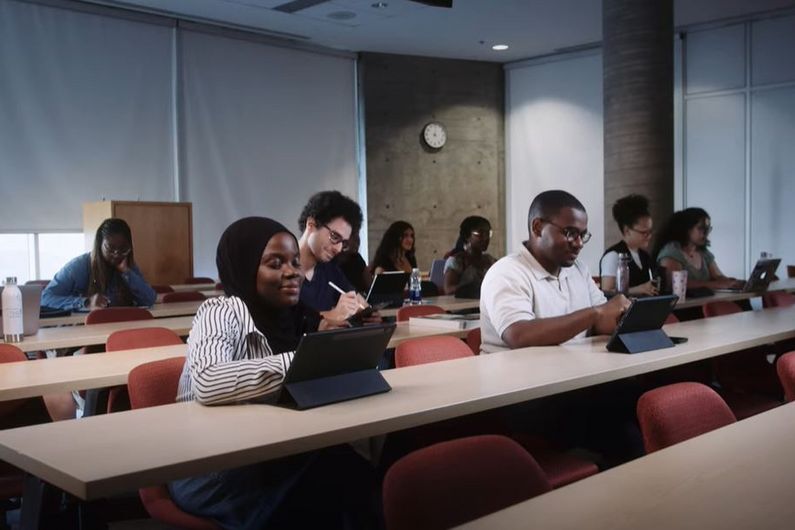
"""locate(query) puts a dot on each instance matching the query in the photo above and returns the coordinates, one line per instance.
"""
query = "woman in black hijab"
(239, 349)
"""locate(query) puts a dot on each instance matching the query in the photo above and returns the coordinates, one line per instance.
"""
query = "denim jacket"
(69, 288)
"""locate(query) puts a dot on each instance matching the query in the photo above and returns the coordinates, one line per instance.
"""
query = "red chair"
(117, 314)
(404, 313)
(473, 339)
(186, 296)
(150, 385)
(450, 483)
(193, 280)
(219, 286)
(11, 478)
(786, 373)
(749, 383)
(671, 319)
(778, 299)
(129, 339)
(560, 468)
(162, 289)
(430, 350)
(675, 413)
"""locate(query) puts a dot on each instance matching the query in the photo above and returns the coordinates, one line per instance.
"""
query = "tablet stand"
(640, 341)
(325, 390)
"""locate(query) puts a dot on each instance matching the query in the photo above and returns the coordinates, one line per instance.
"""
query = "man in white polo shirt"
(542, 295)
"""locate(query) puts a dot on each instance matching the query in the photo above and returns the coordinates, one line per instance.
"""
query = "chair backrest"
(117, 314)
(404, 313)
(155, 383)
(430, 350)
(674, 413)
(474, 338)
(785, 366)
(671, 319)
(43, 283)
(128, 339)
(162, 289)
(185, 296)
(219, 286)
(150, 385)
(778, 299)
(716, 309)
(450, 483)
(199, 279)
(437, 273)
(11, 354)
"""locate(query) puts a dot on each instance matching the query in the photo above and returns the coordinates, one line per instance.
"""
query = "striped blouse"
(229, 359)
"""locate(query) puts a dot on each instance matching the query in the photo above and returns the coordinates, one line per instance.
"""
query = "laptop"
(760, 278)
(336, 365)
(640, 326)
(31, 302)
(387, 289)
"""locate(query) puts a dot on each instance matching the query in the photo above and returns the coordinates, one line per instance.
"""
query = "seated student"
(327, 222)
(107, 276)
(395, 252)
(542, 295)
(239, 350)
(631, 213)
(468, 262)
(352, 264)
(682, 245)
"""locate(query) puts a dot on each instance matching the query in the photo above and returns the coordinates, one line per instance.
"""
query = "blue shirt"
(318, 294)
(69, 288)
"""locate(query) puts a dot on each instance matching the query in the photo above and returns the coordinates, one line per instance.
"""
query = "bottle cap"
(11, 280)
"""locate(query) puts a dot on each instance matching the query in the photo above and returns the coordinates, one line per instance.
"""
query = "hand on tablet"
(347, 306)
(608, 314)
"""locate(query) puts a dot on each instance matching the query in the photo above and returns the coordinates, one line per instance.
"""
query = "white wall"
(739, 137)
(554, 141)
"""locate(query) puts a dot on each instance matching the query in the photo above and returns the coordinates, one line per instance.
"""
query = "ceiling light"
(499, 47)
(380, 5)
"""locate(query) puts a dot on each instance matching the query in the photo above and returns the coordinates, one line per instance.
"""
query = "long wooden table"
(735, 478)
(107, 454)
(99, 370)
(787, 285)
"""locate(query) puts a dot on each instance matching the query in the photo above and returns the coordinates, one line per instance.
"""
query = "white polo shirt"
(518, 288)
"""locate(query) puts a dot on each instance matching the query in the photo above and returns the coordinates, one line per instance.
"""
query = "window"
(37, 256)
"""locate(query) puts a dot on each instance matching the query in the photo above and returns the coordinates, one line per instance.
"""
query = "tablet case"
(639, 329)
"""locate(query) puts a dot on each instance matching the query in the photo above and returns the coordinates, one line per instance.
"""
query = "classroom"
(402, 264)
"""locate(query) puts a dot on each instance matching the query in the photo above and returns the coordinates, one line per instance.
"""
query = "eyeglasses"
(570, 233)
(118, 252)
(644, 233)
(335, 238)
(481, 234)
(705, 228)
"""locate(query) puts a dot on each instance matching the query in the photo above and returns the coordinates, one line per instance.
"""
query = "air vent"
(298, 5)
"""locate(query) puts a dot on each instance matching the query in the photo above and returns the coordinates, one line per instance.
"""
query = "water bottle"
(415, 287)
(12, 311)
(622, 274)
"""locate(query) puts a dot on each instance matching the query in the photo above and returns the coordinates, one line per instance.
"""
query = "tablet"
(388, 287)
(337, 365)
(639, 327)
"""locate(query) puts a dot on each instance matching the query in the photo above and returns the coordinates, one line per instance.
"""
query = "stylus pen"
(336, 288)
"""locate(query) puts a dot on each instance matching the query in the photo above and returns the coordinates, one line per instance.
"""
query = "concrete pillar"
(638, 66)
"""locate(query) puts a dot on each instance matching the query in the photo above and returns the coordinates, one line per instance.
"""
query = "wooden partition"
(162, 235)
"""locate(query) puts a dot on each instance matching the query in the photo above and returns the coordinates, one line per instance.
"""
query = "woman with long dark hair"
(683, 245)
(106, 276)
(396, 250)
(468, 262)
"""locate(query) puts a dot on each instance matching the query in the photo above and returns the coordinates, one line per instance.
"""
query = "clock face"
(434, 135)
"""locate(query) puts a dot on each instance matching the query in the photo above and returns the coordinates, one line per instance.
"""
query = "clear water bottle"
(12, 311)
(622, 274)
(415, 287)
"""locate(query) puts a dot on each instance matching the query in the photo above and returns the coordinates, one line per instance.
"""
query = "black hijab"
(238, 258)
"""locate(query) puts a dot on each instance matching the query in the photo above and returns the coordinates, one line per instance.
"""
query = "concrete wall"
(433, 191)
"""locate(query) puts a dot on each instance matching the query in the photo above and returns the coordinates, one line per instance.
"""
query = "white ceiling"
(467, 31)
